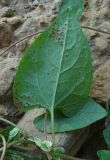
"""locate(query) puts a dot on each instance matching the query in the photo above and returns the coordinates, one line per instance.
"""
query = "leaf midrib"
(53, 101)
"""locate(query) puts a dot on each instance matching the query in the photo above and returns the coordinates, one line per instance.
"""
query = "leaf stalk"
(8, 122)
(52, 127)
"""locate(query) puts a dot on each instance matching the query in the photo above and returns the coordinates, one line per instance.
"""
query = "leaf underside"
(106, 134)
(20, 155)
(104, 154)
(89, 113)
(56, 70)
(55, 66)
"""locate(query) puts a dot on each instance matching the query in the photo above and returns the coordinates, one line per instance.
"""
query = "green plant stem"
(13, 143)
(70, 158)
(8, 122)
(48, 156)
(4, 147)
(52, 127)
(34, 34)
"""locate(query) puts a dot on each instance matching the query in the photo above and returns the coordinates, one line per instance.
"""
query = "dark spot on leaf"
(18, 105)
(55, 34)
(59, 39)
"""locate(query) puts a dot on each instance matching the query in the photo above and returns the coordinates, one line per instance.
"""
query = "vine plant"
(55, 73)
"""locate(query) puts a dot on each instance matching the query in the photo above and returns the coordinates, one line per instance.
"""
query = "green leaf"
(88, 114)
(75, 7)
(72, 104)
(6, 131)
(57, 158)
(13, 133)
(56, 73)
(106, 134)
(58, 150)
(18, 155)
(56, 65)
(44, 145)
(56, 153)
(104, 154)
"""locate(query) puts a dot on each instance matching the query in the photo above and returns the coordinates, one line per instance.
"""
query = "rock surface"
(7, 68)
(6, 12)
(98, 16)
(70, 140)
(101, 85)
(15, 21)
(21, 18)
(6, 35)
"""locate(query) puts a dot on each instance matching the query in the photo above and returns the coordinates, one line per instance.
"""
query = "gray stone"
(4, 2)
(101, 85)
(71, 141)
(7, 108)
(5, 35)
(15, 21)
(98, 17)
(106, 26)
(101, 44)
(7, 72)
(6, 12)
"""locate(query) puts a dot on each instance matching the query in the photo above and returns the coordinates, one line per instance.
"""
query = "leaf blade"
(43, 85)
(104, 154)
(90, 113)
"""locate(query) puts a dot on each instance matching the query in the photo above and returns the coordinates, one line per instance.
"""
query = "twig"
(70, 158)
(7, 121)
(97, 30)
(4, 147)
(31, 35)
(12, 45)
